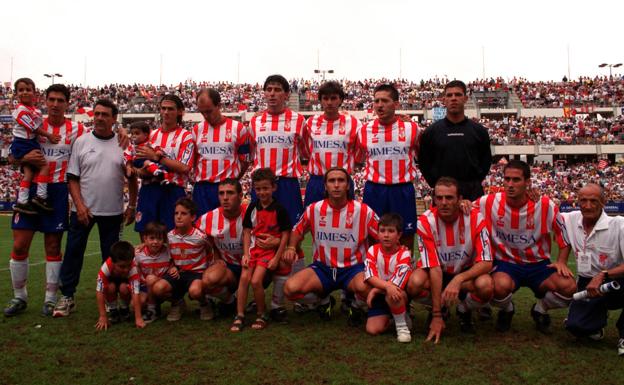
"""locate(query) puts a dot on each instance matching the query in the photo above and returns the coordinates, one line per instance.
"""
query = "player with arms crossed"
(520, 231)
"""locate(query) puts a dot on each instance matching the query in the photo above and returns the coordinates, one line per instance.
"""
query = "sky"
(137, 41)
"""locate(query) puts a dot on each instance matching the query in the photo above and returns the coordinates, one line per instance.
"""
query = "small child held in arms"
(139, 134)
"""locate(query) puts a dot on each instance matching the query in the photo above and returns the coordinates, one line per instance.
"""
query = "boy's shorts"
(529, 275)
(393, 198)
(206, 197)
(333, 278)
(20, 147)
(260, 257)
(379, 306)
(315, 190)
(157, 203)
(181, 285)
(54, 222)
(235, 269)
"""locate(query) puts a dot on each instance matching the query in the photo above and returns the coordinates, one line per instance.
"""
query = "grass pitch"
(37, 350)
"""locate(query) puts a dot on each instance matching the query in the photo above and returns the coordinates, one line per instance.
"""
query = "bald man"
(598, 242)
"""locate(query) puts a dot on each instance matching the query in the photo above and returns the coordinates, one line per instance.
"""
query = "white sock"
(23, 192)
(399, 316)
(504, 304)
(42, 190)
(278, 291)
(19, 276)
(552, 300)
(471, 303)
(53, 268)
(151, 307)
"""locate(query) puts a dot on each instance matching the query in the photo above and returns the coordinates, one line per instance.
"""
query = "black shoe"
(485, 313)
(542, 321)
(356, 316)
(325, 310)
(279, 315)
(113, 316)
(503, 322)
(124, 314)
(226, 309)
(42, 205)
(465, 322)
(25, 208)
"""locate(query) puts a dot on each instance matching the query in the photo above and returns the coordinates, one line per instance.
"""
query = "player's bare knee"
(484, 286)
(195, 290)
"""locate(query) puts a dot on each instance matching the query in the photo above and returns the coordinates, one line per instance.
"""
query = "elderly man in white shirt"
(598, 242)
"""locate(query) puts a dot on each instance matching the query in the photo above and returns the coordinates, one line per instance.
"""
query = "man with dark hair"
(96, 175)
(520, 231)
(390, 146)
(456, 146)
(219, 141)
(172, 147)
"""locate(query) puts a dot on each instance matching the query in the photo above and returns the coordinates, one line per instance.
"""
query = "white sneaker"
(175, 313)
(205, 311)
(599, 335)
(620, 347)
(64, 306)
(403, 335)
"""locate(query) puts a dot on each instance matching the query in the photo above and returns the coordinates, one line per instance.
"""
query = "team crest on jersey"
(401, 133)
(262, 127)
(341, 128)
(138, 216)
(501, 220)
(374, 139)
(323, 221)
(204, 137)
(16, 218)
(530, 222)
(349, 220)
(220, 235)
(602, 259)
(228, 134)
(287, 125)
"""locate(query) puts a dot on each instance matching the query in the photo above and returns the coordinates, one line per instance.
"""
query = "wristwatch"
(606, 274)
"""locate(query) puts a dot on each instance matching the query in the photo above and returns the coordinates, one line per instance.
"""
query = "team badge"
(137, 216)
(349, 220)
(603, 258)
(401, 132)
(16, 218)
(287, 125)
(262, 127)
(228, 134)
(374, 139)
(341, 128)
(530, 222)
(323, 221)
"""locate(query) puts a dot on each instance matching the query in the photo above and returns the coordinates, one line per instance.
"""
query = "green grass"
(37, 350)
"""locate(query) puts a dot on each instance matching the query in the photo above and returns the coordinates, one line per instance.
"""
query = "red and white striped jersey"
(522, 235)
(395, 268)
(455, 246)
(339, 236)
(178, 145)
(331, 143)
(390, 151)
(149, 264)
(276, 142)
(105, 274)
(226, 233)
(57, 155)
(26, 120)
(217, 149)
(188, 251)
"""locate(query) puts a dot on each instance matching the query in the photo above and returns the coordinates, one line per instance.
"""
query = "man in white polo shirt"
(96, 182)
(598, 242)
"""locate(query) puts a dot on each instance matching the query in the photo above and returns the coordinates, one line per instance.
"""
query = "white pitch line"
(42, 262)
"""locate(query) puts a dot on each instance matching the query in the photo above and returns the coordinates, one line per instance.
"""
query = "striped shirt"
(522, 235)
(277, 142)
(106, 273)
(331, 143)
(149, 264)
(26, 120)
(226, 233)
(176, 144)
(57, 155)
(217, 150)
(188, 251)
(395, 268)
(339, 236)
(390, 151)
(455, 246)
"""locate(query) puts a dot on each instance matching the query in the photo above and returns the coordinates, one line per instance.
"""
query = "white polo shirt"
(603, 248)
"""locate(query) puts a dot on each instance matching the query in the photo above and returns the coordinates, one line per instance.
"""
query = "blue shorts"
(393, 198)
(55, 222)
(288, 194)
(528, 275)
(315, 190)
(157, 203)
(206, 197)
(143, 288)
(335, 278)
(181, 285)
(379, 307)
(20, 147)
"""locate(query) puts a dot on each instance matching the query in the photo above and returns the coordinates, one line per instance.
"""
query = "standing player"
(219, 141)
(520, 230)
(224, 228)
(390, 146)
(331, 139)
(455, 248)
(276, 142)
(340, 228)
(172, 147)
(52, 225)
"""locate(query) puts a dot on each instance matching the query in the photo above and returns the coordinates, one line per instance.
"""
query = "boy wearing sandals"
(263, 216)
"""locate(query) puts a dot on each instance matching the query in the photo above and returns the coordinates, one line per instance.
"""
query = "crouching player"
(224, 228)
(456, 251)
(187, 246)
(388, 268)
(153, 261)
(340, 227)
(118, 276)
(264, 216)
